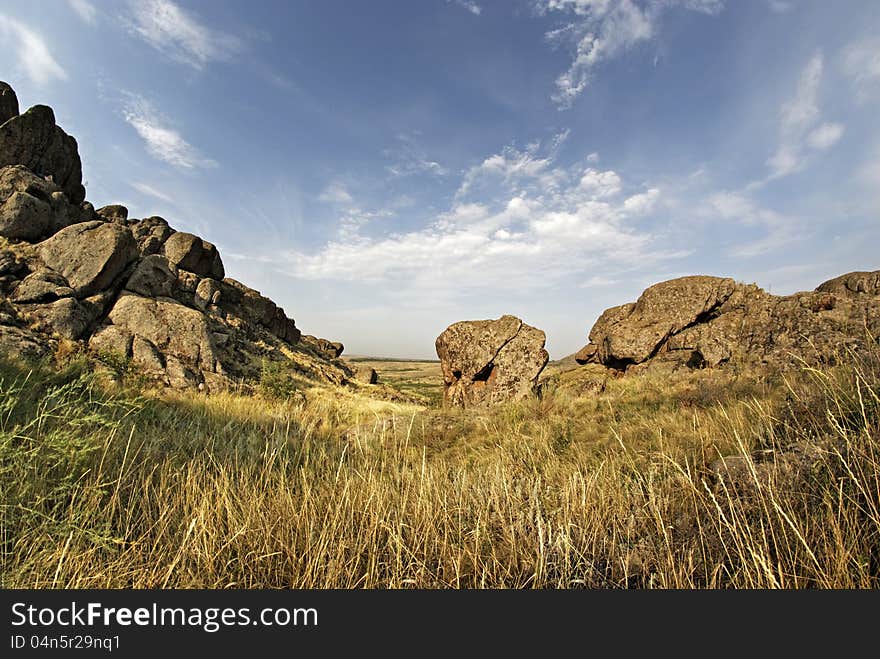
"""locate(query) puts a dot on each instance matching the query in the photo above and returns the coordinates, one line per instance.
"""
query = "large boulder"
(852, 284)
(324, 347)
(171, 328)
(154, 276)
(32, 139)
(150, 234)
(486, 362)
(243, 302)
(113, 213)
(90, 255)
(188, 252)
(32, 208)
(8, 103)
(65, 317)
(707, 321)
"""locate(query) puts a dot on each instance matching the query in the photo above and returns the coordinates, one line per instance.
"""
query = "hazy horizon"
(382, 170)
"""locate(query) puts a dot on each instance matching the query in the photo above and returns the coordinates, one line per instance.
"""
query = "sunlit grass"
(114, 487)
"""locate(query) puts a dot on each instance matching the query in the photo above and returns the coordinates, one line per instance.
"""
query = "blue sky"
(383, 169)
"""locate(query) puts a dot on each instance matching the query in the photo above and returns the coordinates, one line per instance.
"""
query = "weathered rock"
(11, 269)
(852, 284)
(90, 255)
(8, 103)
(113, 213)
(65, 317)
(486, 362)
(324, 347)
(150, 234)
(175, 330)
(188, 252)
(243, 302)
(365, 375)
(146, 355)
(111, 340)
(208, 293)
(42, 286)
(32, 139)
(706, 321)
(32, 208)
(18, 342)
(154, 276)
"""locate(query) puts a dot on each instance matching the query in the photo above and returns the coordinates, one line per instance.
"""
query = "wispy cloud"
(408, 158)
(601, 30)
(336, 193)
(801, 133)
(85, 10)
(150, 191)
(471, 6)
(33, 56)
(861, 63)
(779, 230)
(179, 34)
(162, 141)
(780, 6)
(513, 165)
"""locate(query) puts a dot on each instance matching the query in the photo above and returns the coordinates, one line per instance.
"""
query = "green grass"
(118, 486)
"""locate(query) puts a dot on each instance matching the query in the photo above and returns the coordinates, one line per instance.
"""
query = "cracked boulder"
(487, 362)
(697, 322)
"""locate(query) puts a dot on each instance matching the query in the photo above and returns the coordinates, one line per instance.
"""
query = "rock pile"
(133, 289)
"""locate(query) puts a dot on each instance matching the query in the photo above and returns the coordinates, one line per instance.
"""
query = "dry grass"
(133, 489)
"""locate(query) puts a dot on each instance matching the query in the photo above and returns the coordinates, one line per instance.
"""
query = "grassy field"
(421, 377)
(607, 485)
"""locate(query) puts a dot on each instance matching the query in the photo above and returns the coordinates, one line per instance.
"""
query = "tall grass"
(125, 489)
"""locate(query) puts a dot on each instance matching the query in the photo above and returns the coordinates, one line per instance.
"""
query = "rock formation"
(707, 321)
(486, 362)
(126, 289)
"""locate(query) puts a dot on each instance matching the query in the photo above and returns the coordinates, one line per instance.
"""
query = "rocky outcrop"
(32, 139)
(486, 362)
(707, 321)
(90, 255)
(8, 103)
(188, 252)
(324, 347)
(129, 291)
(33, 208)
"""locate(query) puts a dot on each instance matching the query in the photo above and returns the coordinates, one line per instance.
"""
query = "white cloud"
(861, 63)
(600, 184)
(780, 6)
(799, 133)
(85, 10)
(150, 191)
(335, 193)
(471, 6)
(409, 158)
(178, 34)
(737, 207)
(521, 234)
(825, 136)
(513, 165)
(602, 30)
(162, 141)
(31, 51)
